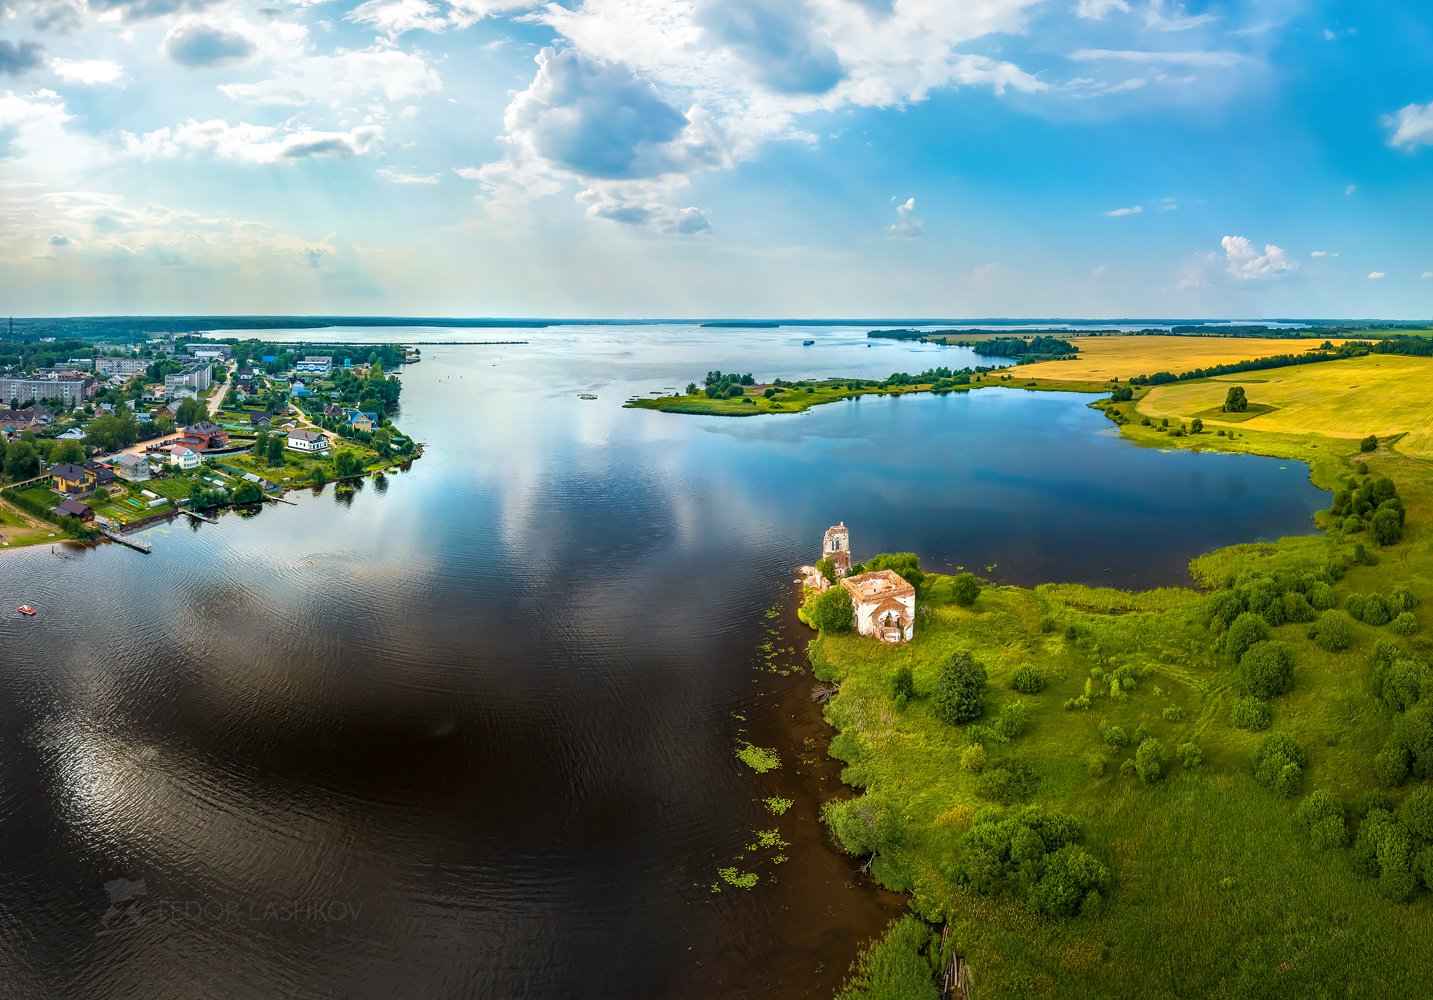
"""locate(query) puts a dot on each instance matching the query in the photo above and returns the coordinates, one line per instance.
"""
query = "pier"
(199, 517)
(133, 543)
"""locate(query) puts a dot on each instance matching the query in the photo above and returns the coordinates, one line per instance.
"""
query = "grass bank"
(1215, 887)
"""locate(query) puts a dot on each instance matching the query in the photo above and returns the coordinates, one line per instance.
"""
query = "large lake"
(469, 732)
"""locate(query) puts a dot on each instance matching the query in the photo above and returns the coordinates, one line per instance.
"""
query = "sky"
(709, 158)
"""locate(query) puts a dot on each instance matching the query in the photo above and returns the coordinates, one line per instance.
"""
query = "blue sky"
(855, 158)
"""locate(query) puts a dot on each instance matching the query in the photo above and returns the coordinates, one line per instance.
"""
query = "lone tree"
(1236, 401)
(965, 589)
(960, 690)
(831, 611)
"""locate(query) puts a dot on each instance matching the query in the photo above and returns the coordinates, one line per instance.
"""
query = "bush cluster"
(1280, 764)
(1393, 846)
(1372, 506)
(960, 689)
(1027, 680)
(1035, 854)
(1250, 714)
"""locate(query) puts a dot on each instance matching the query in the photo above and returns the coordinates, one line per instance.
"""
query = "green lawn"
(1216, 889)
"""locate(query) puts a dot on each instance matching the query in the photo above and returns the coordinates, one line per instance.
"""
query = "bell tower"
(836, 546)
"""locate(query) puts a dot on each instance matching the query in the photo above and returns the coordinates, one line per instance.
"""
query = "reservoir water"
(469, 732)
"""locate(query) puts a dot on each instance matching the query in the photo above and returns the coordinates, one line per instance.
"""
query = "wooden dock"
(280, 500)
(133, 543)
(199, 517)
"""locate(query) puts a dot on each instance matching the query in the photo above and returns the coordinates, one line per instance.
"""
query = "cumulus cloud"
(1376, 275)
(1245, 263)
(92, 72)
(19, 57)
(397, 17)
(197, 45)
(907, 225)
(266, 144)
(1412, 127)
(702, 84)
(346, 76)
(1116, 213)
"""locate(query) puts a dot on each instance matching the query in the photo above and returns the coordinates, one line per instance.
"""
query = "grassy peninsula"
(1247, 756)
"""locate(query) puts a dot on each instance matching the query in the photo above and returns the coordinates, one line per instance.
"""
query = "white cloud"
(1412, 126)
(340, 79)
(1098, 10)
(908, 225)
(1177, 18)
(1348, 191)
(1245, 263)
(1116, 213)
(91, 72)
(1324, 253)
(1376, 275)
(399, 177)
(266, 144)
(1100, 270)
(1219, 59)
(1426, 275)
(397, 17)
(740, 72)
(1169, 203)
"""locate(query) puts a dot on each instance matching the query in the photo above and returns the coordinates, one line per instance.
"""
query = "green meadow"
(1236, 824)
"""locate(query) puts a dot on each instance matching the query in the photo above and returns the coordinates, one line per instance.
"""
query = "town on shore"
(131, 433)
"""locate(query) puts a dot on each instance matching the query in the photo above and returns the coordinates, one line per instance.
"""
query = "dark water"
(469, 732)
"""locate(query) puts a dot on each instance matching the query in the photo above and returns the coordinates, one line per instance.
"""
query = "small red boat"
(25, 609)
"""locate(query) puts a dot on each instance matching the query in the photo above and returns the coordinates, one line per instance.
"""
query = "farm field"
(1379, 394)
(1111, 357)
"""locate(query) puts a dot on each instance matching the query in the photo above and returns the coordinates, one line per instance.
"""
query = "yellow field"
(1103, 358)
(1379, 394)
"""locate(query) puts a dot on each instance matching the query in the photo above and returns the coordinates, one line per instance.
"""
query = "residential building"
(104, 474)
(307, 441)
(71, 390)
(315, 365)
(358, 420)
(210, 351)
(205, 437)
(261, 421)
(73, 434)
(70, 507)
(196, 377)
(31, 418)
(132, 468)
(70, 480)
(124, 367)
(185, 457)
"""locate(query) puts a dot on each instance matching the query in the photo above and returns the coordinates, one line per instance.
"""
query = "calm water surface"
(469, 732)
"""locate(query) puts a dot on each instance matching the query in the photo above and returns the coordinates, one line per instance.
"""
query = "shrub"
(1250, 714)
(1128, 768)
(1324, 815)
(1404, 624)
(1027, 680)
(1369, 443)
(1375, 611)
(1416, 813)
(1279, 764)
(906, 565)
(903, 685)
(1034, 853)
(1321, 596)
(861, 826)
(1189, 755)
(1115, 737)
(831, 611)
(1266, 669)
(1096, 766)
(1222, 607)
(1070, 883)
(1331, 631)
(960, 691)
(1010, 723)
(972, 759)
(1172, 714)
(1006, 785)
(1297, 608)
(965, 588)
(1150, 761)
(1404, 599)
(1245, 631)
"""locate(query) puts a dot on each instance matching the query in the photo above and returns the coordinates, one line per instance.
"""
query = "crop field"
(1379, 394)
(1109, 357)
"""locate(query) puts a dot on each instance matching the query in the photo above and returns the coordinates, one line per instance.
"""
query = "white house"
(885, 605)
(132, 468)
(307, 441)
(185, 457)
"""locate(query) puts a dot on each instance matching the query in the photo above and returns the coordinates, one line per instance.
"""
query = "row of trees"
(1325, 352)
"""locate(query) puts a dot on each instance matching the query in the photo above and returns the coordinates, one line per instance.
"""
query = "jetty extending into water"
(125, 540)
